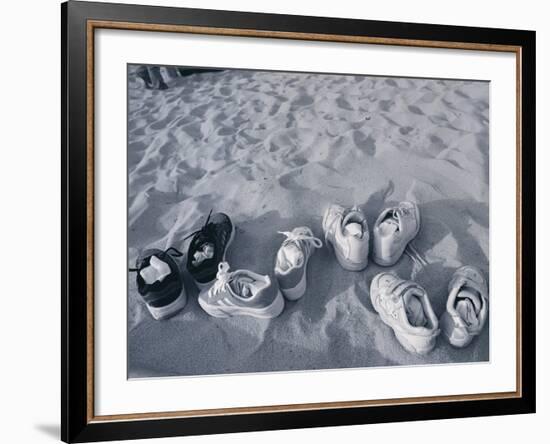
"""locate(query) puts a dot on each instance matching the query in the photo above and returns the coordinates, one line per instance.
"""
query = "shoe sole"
(206, 285)
(167, 311)
(271, 311)
(393, 259)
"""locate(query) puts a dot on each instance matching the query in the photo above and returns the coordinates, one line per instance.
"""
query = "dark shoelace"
(203, 229)
(174, 252)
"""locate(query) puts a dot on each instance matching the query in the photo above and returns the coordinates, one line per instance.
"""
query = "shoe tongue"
(414, 309)
(352, 227)
(352, 223)
(157, 270)
(290, 256)
(389, 226)
(470, 296)
(466, 310)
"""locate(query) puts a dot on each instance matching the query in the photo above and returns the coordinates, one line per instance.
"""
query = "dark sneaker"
(160, 282)
(208, 247)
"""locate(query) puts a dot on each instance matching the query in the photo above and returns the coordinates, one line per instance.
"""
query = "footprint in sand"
(386, 105)
(226, 131)
(274, 109)
(225, 91)
(301, 101)
(461, 94)
(298, 161)
(191, 172)
(200, 110)
(193, 130)
(343, 104)
(415, 110)
(364, 142)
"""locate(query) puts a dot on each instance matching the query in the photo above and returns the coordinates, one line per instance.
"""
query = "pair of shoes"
(405, 307)
(159, 277)
(244, 292)
(347, 231)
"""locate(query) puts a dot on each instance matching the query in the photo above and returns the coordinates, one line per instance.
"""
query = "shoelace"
(174, 252)
(203, 229)
(291, 236)
(222, 277)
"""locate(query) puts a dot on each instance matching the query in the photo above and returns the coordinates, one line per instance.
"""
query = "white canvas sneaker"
(393, 230)
(404, 306)
(242, 292)
(346, 229)
(292, 259)
(467, 306)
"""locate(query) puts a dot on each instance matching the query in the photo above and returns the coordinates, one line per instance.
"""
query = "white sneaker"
(393, 230)
(346, 229)
(467, 306)
(292, 259)
(405, 307)
(242, 292)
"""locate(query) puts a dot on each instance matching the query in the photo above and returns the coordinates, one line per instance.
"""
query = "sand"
(272, 150)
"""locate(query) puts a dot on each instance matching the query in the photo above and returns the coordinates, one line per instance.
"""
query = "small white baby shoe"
(467, 306)
(347, 231)
(405, 307)
(292, 259)
(393, 230)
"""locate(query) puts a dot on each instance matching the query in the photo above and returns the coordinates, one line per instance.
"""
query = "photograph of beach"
(357, 206)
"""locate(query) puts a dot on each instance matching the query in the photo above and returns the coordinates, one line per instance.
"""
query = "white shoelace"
(222, 277)
(291, 236)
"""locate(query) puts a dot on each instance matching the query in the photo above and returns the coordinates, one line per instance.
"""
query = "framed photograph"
(276, 221)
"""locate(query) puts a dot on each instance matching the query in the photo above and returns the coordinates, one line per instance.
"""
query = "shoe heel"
(293, 294)
(276, 308)
(161, 313)
(347, 265)
(271, 311)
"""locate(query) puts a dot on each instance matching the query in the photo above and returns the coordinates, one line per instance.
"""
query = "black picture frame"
(77, 425)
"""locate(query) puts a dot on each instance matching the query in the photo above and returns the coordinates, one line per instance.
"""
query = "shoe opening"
(389, 224)
(354, 224)
(468, 305)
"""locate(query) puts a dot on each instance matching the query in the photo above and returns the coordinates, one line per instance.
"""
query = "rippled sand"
(272, 150)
